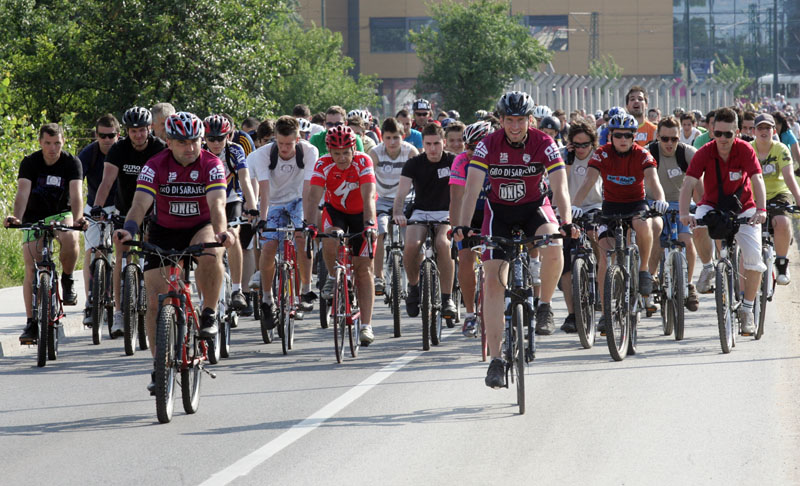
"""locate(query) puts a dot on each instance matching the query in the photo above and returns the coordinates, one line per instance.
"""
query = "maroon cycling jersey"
(180, 192)
(516, 175)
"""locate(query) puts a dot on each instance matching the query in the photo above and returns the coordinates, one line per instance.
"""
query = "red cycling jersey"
(342, 187)
(623, 176)
(735, 174)
(180, 192)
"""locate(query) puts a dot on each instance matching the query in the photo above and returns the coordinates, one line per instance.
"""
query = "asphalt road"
(677, 413)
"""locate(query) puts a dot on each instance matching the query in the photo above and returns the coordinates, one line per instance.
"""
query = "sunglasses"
(107, 135)
(581, 145)
(669, 139)
(623, 135)
(719, 134)
(333, 124)
(421, 113)
(216, 139)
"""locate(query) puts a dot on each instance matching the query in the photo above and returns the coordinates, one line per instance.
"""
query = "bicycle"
(134, 298)
(430, 290)
(622, 303)
(344, 309)
(179, 348)
(584, 282)
(673, 282)
(101, 290)
(395, 273)
(480, 276)
(48, 309)
(286, 284)
(519, 349)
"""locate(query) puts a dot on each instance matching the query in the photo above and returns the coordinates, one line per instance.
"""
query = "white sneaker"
(117, 328)
(366, 335)
(782, 266)
(255, 281)
(747, 319)
(704, 282)
(87, 316)
(536, 267)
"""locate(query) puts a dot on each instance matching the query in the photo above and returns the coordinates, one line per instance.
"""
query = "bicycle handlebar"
(192, 250)
(40, 225)
(643, 213)
(538, 240)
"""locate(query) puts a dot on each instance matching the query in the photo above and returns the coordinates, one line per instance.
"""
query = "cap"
(765, 118)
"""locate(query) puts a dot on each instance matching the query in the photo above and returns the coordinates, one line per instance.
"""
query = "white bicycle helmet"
(541, 111)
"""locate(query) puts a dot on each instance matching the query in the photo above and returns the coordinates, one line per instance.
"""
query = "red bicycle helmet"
(340, 137)
(217, 126)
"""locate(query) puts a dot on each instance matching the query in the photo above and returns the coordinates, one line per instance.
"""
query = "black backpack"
(680, 154)
(298, 155)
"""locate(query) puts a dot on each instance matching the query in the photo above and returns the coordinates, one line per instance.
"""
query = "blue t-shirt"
(788, 138)
(92, 161)
(415, 139)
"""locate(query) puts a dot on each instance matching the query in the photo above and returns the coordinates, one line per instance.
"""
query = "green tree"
(606, 66)
(473, 51)
(733, 72)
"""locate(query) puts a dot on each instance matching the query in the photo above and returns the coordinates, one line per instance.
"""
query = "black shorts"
(501, 219)
(349, 223)
(477, 220)
(169, 239)
(619, 208)
(233, 210)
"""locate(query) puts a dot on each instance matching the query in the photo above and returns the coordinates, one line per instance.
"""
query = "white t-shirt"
(576, 174)
(387, 170)
(690, 139)
(286, 180)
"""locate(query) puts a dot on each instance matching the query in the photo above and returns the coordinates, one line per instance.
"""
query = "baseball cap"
(765, 118)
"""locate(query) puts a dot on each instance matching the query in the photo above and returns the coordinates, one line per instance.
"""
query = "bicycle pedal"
(378, 293)
(209, 373)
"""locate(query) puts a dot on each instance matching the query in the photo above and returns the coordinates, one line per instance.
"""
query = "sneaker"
(645, 283)
(247, 311)
(692, 300)
(412, 301)
(87, 316)
(380, 286)
(449, 310)
(747, 320)
(307, 301)
(30, 333)
(117, 328)
(544, 320)
(782, 265)
(496, 375)
(704, 283)
(366, 335)
(238, 301)
(208, 324)
(569, 324)
(327, 289)
(151, 387)
(470, 327)
(255, 281)
(299, 315)
(536, 267)
(650, 305)
(268, 312)
(601, 325)
(68, 294)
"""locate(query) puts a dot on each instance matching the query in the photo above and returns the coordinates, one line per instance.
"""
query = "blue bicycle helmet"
(623, 121)
(616, 110)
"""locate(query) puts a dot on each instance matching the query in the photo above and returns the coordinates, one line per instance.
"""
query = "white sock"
(366, 326)
(267, 298)
(470, 315)
(236, 287)
(306, 289)
(708, 265)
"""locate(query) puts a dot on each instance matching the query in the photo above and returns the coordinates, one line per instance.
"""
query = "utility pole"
(594, 41)
(322, 8)
(775, 47)
(688, 44)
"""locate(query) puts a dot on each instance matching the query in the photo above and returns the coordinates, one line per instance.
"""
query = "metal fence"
(571, 92)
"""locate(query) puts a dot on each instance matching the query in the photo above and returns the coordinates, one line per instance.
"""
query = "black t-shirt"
(49, 184)
(92, 160)
(130, 162)
(431, 181)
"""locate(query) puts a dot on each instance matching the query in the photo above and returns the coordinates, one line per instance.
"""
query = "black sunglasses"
(718, 134)
(332, 124)
(217, 139)
(107, 135)
(668, 139)
(581, 145)
(623, 135)
(423, 113)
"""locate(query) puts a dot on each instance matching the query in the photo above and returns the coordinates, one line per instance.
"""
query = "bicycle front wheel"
(339, 316)
(130, 286)
(396, 268)
(354, 329)
(678, 281)
(436, 308)
(582, 303)
(44, 314)
(324, 304)
(616, 313)
(141, 310)
(518, 354)
(284, 306)
(191, 374)
(726, 322)
(479, 313)
(427, 304)
(166, 346)
(763, 297)
(98, 306)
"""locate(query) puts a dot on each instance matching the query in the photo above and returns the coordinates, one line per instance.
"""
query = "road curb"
(71, 327)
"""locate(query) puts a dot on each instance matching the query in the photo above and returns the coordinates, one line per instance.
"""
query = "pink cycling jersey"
(180, 192)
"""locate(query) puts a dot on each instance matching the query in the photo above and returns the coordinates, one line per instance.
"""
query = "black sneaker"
(544, 320)
(68, 294)
(307, 301)
(238, 301)
(449, 310)
(601, 326)
(30, 334)
(569, 324)
(152, 386)
(268, 312)
(412, 301)
(208, 324)
(496, 376)
(645, 283)
(247, 311)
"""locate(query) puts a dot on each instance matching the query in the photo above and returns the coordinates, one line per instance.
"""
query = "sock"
(236, 287)
(366, 325)
(541, 302)
(708, 265)
(747, 304)
(267, 299)
(305, 289)
(470, 315)
(331, 278)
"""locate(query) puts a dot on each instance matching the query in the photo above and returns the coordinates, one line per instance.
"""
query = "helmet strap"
(517, 145)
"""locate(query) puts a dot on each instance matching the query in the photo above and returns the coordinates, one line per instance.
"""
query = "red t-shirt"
(742, 164)
(343, 187)
(623, 176)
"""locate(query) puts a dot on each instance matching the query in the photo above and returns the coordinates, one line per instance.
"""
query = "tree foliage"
(733, 72)
(473, 51)
(605, 66)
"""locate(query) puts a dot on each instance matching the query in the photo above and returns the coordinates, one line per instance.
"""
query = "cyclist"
(239, 137)
(540, 113)
(781, 186)
(515, 158)
(334, 117)
(458, 179)
(185, 185)
(357, 124)
(733, 162)
(283, 169)
(636, 105)
(412, 136)
(347, 179)
(429, 173)
(672, 160)
(123, 163)
(369, 129)
(92, 156)
(748, 132)
(454, 137)
(217, 129)
(708, 136)
(688, 132)
(265, 133)
(552, 127)
(625, 168)
(388, 158)
(612, 112)
(49, 188)
(160, 112)
(422, 114)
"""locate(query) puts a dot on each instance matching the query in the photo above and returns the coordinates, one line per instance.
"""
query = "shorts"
(169, 239)
(748, 238)
(91, 236)
(233, 210)
(780, 199)
(500, 219)
(29, 235)
(384, 208)
(434, 216)
(279, 216)
(349, 223)
(619, 208)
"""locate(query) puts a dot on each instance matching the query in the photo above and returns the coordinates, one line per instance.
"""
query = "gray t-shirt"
(670, 174)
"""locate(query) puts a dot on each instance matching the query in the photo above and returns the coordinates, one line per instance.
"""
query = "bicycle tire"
(191, 375)
(44, 316)
(354, 329)
(479, 312)
(617, 332)
(518, 354)
(678, 295)
(396, 267)
(98, 306)
(225, 333)
(325, 310)
(267, 335)
(339, 315)
(141, 310)
(426, 304)
(634, 318)
(456, 296)
(760, 308)
(582, 305)
(283, 296)
(214, 345)
(130, 286)
(665, 282)
(436, 308)
(256, 300)
(725, 318)
(166, 344)
(52, 327)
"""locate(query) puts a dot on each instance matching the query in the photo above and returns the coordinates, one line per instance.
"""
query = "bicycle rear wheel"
(518, 355)
(98, 306)
(616, 314)
(427, 304)
(479, 312)
(436, 308)
(726, 322)
(665, 282)
(141, 309)
(761, 304)
(227, 323)
(44, 314)
(582, 304)
(52, 328)
(191, 374)
(130, 286)
(396, 268)
(214, 344)
(678, 281)
(339, 318)
(636, 303)
(354, 329)
(324, 304)
(166, 345)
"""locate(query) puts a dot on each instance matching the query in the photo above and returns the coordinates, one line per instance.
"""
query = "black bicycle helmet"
(515, 103)
(550, 122)
(137, 117)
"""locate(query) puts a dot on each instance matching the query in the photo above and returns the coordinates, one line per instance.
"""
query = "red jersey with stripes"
(516, 175)
(180, 192)
(343, 187)
(622, 175)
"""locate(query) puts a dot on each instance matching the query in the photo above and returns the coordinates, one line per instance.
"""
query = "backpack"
(680, 154)
(298, 156)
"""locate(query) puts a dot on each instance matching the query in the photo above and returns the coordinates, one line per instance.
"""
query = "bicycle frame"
(179, 295)
(672, 246)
